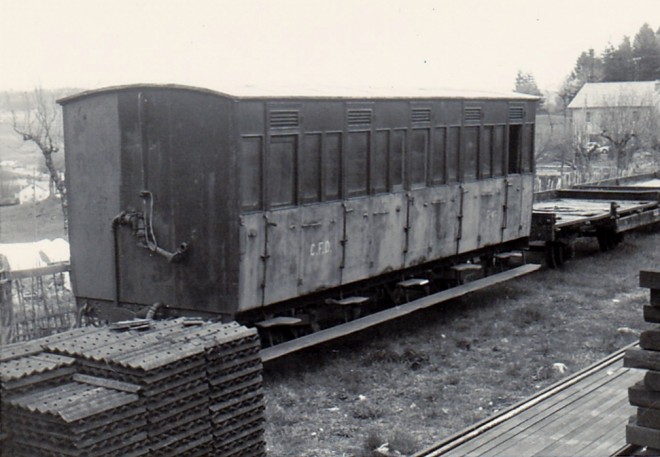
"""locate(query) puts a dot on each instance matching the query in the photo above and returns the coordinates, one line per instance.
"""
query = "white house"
(35, 192)
(598, 104)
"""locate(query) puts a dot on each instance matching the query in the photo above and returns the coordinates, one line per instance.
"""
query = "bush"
(365, 409)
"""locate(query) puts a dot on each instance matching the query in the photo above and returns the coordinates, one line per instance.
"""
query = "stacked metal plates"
(169, 369)
(80, 418)
(23, 367)
(236, 399)
(201, 384)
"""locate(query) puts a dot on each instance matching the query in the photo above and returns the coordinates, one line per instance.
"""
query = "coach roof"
(317, 92)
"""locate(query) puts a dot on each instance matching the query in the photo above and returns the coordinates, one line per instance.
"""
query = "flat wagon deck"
(604, 210)
(584, 415)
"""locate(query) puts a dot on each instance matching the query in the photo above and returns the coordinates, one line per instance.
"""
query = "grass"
(435, 372)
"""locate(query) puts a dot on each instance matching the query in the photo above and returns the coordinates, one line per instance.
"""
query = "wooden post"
(6, 304)
(644, 428)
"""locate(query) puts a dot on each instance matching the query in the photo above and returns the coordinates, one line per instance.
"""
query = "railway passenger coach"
(222, 204)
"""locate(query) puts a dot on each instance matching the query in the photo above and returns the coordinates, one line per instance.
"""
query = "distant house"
(33, 192)
(596, 104)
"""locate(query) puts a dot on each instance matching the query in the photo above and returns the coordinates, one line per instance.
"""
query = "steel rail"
(322, 336)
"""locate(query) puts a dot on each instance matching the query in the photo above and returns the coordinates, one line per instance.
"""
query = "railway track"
(323, 336)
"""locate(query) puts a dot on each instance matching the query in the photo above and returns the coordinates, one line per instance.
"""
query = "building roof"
(337, 92)
(617, 94)
(34, 186)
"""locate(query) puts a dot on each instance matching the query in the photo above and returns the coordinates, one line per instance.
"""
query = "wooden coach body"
(281, 196)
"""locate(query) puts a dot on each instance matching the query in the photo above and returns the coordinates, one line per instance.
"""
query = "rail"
(378, 318)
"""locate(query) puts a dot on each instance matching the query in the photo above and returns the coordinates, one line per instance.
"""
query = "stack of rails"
(199, 385)
(643, 429)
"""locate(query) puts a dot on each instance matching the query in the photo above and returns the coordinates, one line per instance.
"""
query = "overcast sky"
(469, 44)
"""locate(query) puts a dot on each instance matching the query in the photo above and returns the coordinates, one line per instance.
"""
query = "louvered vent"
(421, 115)
(282, 119)
(359, 116)
(516, 113)
(472, 114)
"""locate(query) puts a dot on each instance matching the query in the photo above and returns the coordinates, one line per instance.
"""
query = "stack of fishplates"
(24, 368)
(170, 370)
(80, 418)
(198, 383)
(236, 401)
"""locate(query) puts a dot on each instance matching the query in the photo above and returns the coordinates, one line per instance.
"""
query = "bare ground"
(417, 380)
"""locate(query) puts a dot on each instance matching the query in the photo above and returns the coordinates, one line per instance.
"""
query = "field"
(420, 379)
(31, 222)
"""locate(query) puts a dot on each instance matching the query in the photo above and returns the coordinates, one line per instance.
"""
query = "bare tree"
(579, 155)
(629, 127)
(550, 134)
(619, 128)
(41, 124)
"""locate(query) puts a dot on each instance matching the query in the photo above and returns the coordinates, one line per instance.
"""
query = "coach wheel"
(559, 254)
(608, 239)
(618, 238)
(554, 254)
(602, 241)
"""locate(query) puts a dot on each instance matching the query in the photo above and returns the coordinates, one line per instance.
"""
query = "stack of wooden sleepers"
(643, 430)
(166, 388)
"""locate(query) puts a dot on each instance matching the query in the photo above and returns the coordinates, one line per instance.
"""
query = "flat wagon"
(605, 210)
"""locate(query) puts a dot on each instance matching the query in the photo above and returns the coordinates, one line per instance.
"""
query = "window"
(485, 158)
(528, 149)
(310, 169)
(281, 170)
(452, 153)
(379, 162)
(515, 141)
(332, 166)
(469, 153)
(417, 161)
(498, 150)
(587, 116)
(250, 175)
(356, 163)
(397, 152)
(438, 157)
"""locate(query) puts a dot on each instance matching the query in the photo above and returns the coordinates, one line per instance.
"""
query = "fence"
(551, 178)
(35, 303)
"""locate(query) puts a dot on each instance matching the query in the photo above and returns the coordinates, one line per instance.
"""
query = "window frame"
(294, 171)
